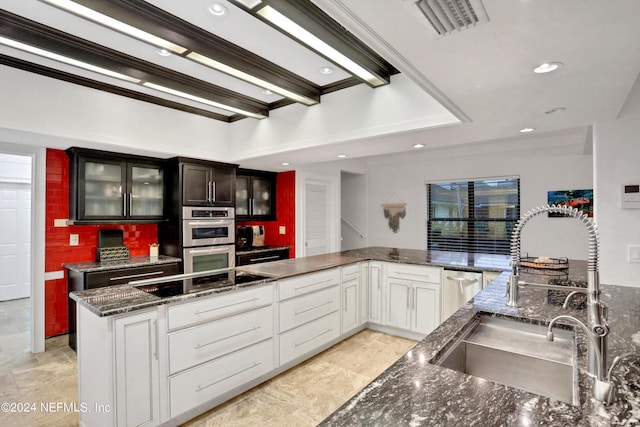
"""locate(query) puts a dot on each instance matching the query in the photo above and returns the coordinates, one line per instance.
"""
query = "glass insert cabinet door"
(103, 189)
(146, 195)
(261, 201)
(242, 195)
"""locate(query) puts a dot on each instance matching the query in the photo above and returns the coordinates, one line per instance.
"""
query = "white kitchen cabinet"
(309, 338)
(363, 304)
(305, 308)
(375, 292)
(413, 306)
(137, 374)
(350, 285)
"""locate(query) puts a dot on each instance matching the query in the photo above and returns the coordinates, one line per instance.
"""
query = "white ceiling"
(483, 75)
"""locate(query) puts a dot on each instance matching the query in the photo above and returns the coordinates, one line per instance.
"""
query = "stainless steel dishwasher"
(458, 288)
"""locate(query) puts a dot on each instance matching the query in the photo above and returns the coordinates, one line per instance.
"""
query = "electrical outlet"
(633, 252)
(283, 229)
(74, 240)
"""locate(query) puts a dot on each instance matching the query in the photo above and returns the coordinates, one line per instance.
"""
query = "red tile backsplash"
(285, 214)
(57, 249)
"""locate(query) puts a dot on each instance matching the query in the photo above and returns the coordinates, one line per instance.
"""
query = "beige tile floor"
(302, 396)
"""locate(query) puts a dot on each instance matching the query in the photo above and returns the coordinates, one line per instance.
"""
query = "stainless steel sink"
(518, 355)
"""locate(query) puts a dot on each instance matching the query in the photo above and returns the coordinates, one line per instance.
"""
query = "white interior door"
(317, 215)
(15, 240)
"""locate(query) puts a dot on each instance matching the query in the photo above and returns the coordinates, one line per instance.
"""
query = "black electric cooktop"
(197, 284)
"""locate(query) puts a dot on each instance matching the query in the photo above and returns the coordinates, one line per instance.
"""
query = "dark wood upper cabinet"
(210, 184)
(255, 195)
(107, 187)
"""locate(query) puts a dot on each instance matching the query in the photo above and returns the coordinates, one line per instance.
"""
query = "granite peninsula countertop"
(119, 299)
(413, 392)
(132, 262)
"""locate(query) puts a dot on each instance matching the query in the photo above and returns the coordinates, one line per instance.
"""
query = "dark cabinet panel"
(111, 187)
(208, 185)
(255, 195)
(262, 256)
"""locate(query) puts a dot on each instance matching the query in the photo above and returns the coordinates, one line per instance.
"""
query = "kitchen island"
(414, 391)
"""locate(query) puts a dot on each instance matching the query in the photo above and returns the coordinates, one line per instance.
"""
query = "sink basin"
(516, 354)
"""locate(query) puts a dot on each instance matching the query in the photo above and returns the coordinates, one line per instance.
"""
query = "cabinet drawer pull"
(313, 284)
(228, 305)
(199, 346)
(253, 365)
(133, 276)
(297, 313)
(265, 258)
(298, 344)
(422, 276)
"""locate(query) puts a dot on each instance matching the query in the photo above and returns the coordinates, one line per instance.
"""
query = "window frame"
(473, 244)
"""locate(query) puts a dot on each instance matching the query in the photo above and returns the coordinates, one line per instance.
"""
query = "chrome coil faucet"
(596, 311)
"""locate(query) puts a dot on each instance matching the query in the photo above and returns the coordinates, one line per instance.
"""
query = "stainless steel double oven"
(208, 238)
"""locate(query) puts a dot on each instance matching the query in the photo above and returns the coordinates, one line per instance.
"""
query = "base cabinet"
(350, 286)
(375, 292)
(137, 374)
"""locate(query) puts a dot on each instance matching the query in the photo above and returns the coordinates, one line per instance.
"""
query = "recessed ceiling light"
(217, 9)
(418, 146)
(547, 67)
(526, 130)
(555, 110)
(342, 156)
(267, 92)
(326, 70)
(164, 52)
(285, 163)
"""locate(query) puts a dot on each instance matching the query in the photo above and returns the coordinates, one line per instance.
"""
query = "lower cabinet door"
(309, 337)
(137, 373)
(426, 307)
(349, 305)
(399, 303)
(208, 381)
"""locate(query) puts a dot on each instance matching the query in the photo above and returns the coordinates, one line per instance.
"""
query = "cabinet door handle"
(264, 258)
(251, 206)
(253, 365)
(408, 297)
(131, 203)
(299, 312)
(133, 276)
(415, 297)
(199, 346)
(298, 344)
(155, 327)
(213, 191)
(312, 284)
(124, 204)
(346, 303)
(226, 306)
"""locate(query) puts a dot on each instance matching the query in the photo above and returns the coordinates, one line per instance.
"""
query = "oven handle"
(215, 250)
(212, 222)
(176, 277)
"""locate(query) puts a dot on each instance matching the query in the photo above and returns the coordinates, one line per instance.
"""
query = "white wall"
(52, 113)
(544, 162)
(617, 162)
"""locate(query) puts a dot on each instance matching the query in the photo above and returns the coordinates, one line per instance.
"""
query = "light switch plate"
(74, 240)
(283, 229)
(633, 253)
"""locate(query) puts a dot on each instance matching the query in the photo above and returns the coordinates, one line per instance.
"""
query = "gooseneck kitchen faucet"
(596, 328)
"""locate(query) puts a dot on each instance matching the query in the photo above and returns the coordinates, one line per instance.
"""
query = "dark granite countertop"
(118, 299)
(413, 392)
(132, 262)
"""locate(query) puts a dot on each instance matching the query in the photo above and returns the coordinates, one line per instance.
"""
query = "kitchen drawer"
(309, 337)
(306, 283)
(350, 272)
(193, 346)
(121, 276)
(199, 385)
(218, 306)
(417, 273)
(297, 311)
(263, 256)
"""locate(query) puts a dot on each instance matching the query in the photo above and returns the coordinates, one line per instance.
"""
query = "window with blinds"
(472, 216)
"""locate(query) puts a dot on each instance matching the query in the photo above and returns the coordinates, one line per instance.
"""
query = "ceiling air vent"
(447, 16)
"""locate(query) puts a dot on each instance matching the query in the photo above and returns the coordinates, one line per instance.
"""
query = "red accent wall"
(57, 249)
(285, 214)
